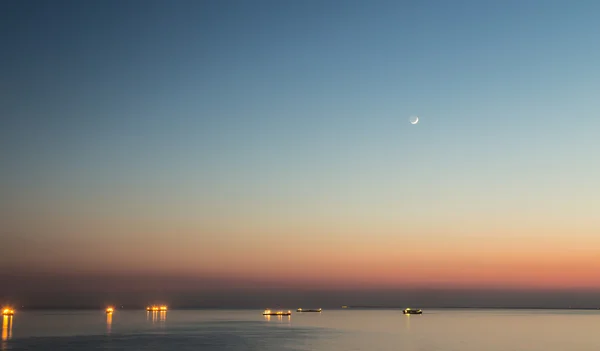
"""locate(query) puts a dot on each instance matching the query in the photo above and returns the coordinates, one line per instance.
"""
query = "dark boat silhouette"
(309, 310)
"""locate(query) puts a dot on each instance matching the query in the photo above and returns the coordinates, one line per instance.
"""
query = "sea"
(331, 330)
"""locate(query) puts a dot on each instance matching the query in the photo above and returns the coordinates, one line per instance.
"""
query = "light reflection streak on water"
(157, 316)
(281, 319)
(109, 317)
(6, 330)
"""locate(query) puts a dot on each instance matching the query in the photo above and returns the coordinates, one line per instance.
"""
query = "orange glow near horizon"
(338, 255)
(544, 265)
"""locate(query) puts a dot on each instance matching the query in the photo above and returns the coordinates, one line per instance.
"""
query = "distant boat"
(110, 310)
(276, 313)
(412, 311)
(313, 310)
(155, 308)
(344, 306)
(8, 312)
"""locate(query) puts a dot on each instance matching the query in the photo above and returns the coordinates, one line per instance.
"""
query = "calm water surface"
(332, 330)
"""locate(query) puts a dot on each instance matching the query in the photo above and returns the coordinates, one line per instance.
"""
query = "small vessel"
(313, 310)
(8, 312)
(276, 313)
(155, 308)
(109, 310)
(412, 311)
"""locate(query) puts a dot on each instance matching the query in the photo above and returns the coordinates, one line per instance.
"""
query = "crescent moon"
(415, 121)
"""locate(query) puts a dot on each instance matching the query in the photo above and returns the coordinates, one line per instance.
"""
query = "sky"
(231, 144)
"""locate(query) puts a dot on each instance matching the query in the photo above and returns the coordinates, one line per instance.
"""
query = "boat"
(8, 312)
(110, 310)
(276, 313)
(313, 310)
(155, 308)
(412, 311)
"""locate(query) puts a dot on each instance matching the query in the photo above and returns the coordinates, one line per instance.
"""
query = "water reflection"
(157, 316)
(6, 327)
(407, 323)
(280, 319)
(109, 317)
(6, 330)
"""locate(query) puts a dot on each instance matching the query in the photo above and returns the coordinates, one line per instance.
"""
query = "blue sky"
(227, 111)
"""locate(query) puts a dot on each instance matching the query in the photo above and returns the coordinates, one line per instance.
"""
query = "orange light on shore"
(110, 310)
(8, 312)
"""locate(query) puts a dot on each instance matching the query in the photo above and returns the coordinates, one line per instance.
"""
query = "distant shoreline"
(324, 309)
(478, 308)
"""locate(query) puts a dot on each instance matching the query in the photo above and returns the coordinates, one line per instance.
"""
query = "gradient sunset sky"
(269, 141)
